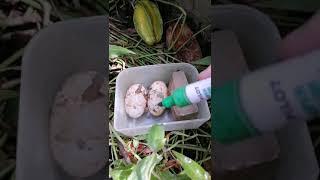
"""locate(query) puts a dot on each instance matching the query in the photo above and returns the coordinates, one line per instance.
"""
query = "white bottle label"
(283, 93)
(199, 91)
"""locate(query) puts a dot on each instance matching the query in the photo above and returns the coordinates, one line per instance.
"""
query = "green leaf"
(167, 175)
(144, 168)
(191, 168)
(7, 94)
(122, 172)
(183, 176)
(116, 51)
(141, 137)
(164, 175)
(155, 137)
(206, 61)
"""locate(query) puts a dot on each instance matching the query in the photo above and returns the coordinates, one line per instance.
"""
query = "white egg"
(157, 92)
(78, 125)
(135, 100)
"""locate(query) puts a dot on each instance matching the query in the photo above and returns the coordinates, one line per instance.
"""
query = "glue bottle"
(190, 94)
(267, 99)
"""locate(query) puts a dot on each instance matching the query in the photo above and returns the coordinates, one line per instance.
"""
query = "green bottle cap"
(229, 122)
(178, 98)
(168, 102)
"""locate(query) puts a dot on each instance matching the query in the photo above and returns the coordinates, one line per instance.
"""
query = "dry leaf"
(189, 52)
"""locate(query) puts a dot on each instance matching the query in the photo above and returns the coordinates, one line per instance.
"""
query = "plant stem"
(3, 139)
(183, 21)
(154, 54)
(56, 10)
(202, 131)
(207, 152)
(178, 142)
(11, 84)
(189, 146)
(32, 3)
(175, 19)
(193, 36)
(173, 30)
(8, 168)
(112, 130)
(182, 141)
(12, 58)
(165, 155)
(204, 160)
(172, 138)
(114, 148)
(16, 68)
